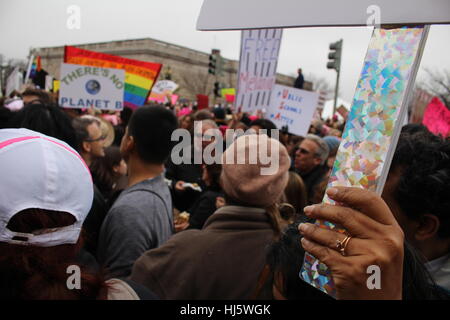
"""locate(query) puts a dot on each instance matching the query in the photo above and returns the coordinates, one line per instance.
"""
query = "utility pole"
(335, 63)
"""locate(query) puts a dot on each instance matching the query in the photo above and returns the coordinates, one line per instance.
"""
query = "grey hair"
(210, 123)
(323, 150)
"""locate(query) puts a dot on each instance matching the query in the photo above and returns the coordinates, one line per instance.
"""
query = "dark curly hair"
(424, 161)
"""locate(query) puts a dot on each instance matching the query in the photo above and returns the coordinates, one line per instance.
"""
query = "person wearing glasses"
(310, 162)
(90, 138)
(91, 146)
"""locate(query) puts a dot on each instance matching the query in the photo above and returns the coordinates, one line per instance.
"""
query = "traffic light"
(335, 55)
(217, 89)
(212, 64)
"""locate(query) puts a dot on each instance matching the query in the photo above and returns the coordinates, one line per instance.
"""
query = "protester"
(310, 163)
(299, 82)
(91, 146)
(295, 193)
(33, 96)
(225, 258)
(90, 138)
(263, 124)
(190, 171)
(187, 122)
(109, 172)
(42, 210)
(285, 259)
(205, 206)
(417, 191)
(141, 218)
(375, 239)
(333, 146)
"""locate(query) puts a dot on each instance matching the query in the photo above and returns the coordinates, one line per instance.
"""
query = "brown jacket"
(221, 261)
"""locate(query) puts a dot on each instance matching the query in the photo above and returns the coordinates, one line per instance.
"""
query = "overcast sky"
(29, 23)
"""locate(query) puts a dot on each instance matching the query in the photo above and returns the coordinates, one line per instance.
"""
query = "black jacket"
(203, 208)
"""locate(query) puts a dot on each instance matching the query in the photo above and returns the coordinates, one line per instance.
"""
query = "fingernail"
(332, 191)
(308, 209)
(305, 243)
(303, 227)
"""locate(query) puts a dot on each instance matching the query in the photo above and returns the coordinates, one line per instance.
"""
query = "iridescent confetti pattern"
(370, 127)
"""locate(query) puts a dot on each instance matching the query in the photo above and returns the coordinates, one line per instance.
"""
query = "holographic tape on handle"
(374, 124)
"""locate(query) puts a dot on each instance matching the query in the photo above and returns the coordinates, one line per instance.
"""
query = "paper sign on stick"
(257, 68)
(293, 108)
(86, 86)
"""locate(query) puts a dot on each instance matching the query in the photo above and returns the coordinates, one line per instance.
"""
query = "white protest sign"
(257, 68)
(14, 81)
(164, 86)
(255, 14)
(85, 87)
(293, 108)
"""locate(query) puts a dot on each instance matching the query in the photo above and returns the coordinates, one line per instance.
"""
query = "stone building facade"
(187, 67)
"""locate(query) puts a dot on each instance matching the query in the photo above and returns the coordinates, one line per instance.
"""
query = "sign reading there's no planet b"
(86, 87)
(293, 108)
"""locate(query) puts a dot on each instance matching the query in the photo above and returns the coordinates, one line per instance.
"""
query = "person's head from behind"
(250, 178)
(49, 195)
(108, 169)
(285, 260)
(205, 133)
(36, 96)
(211, 174)
(312, 152)
(47, 119)
(295, 192)
(417, 190)
(263, 126)
(299, 71)
(148, 135)
(90, 137)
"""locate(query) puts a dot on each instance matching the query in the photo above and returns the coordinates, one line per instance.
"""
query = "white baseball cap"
(42, 172)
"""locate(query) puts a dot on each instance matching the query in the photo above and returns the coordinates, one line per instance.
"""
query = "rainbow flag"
(35, 67)
(139, 75)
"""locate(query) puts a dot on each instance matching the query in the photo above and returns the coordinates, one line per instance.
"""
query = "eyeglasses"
(304, 151)
(102, 137)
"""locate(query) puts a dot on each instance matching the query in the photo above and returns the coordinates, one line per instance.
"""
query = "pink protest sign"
(437, 117)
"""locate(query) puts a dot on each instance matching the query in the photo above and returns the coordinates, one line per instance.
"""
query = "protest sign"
(293, 108)
(48, 83)
(202, 101)
(14, 81)
(255, 14)
(86, 86)
(257, 68)
(56, 85)
(343, 112)
(437, 118)
(139, 75)
(164, 86)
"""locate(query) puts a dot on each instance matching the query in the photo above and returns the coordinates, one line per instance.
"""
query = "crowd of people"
(103, 192)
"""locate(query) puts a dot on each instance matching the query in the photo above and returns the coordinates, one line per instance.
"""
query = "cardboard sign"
(86, 86)
(293, 108)
(257, 68)
(255, 14)
(437, 118)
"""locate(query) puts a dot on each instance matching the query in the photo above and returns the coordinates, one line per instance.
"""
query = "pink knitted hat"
(255, 170)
